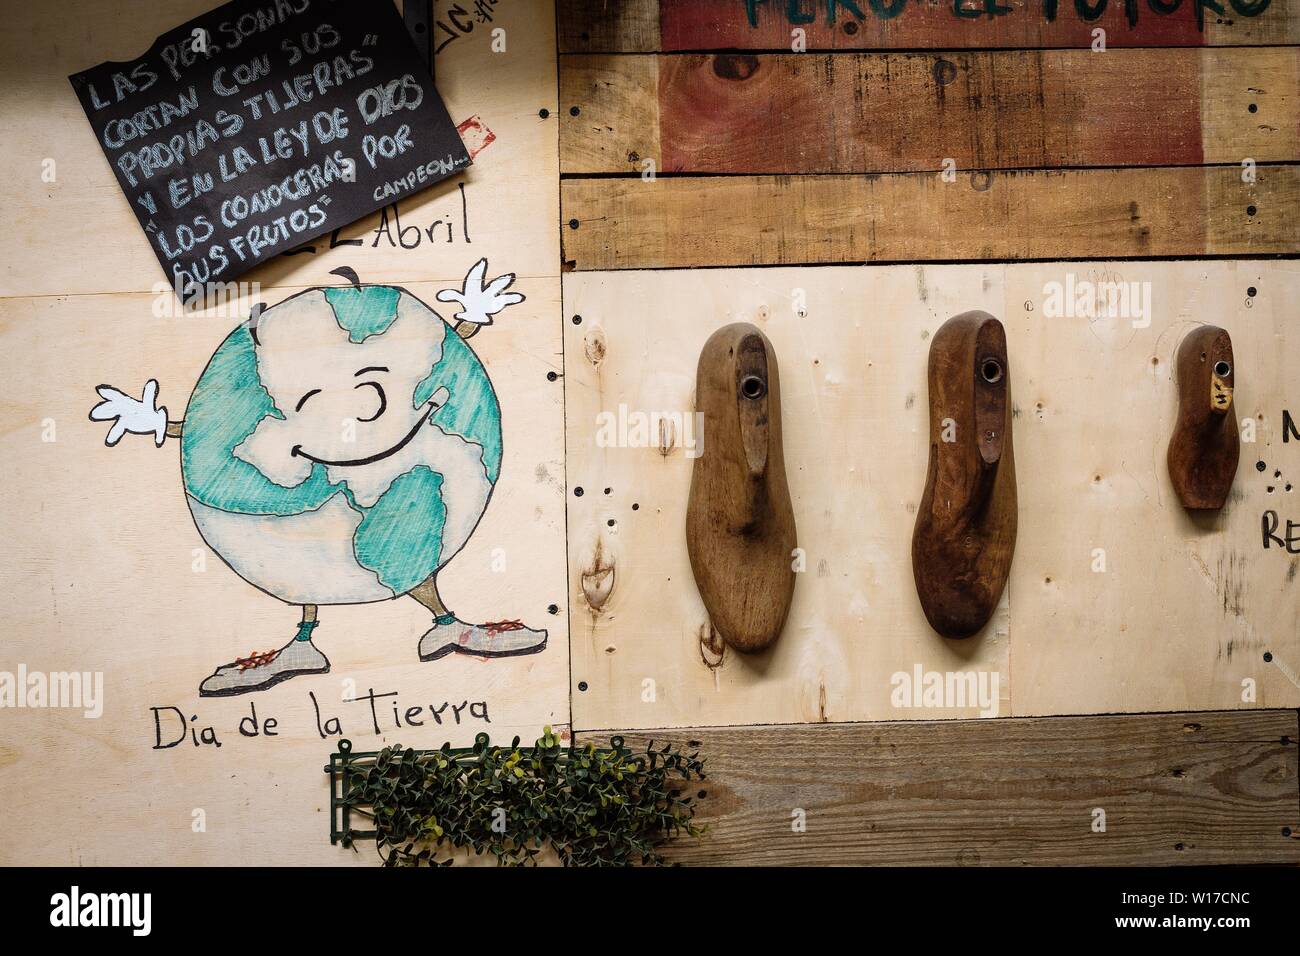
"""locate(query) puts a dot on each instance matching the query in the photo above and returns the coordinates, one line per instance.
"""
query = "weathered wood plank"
(1066, 214)
(601, 25)
(887, 112)
(617, 126)
(651, 26)
(1179, 788)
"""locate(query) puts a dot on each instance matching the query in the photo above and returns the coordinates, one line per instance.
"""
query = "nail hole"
(752, 387)
(1221, 369)
(991, 369)
(609, 491)
(635, 506)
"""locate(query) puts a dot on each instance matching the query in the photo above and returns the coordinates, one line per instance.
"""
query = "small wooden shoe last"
(965, 530)
(1204, 447)
(739, 523)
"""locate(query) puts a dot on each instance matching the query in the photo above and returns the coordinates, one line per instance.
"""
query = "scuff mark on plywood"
(1231, 581)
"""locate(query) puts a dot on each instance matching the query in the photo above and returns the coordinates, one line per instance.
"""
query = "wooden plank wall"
(714, 157)
(1053, 150)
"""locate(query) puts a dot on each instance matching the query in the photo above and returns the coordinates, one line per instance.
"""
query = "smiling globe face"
(342, 448)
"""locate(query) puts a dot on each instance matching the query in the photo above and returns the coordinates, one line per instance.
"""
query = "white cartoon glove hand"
(478, 302)
(139, 416)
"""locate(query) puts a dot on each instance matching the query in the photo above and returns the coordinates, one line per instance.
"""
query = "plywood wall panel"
(105, 571)
(1178, 619)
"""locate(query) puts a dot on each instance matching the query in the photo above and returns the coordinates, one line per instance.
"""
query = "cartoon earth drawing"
(340, 448)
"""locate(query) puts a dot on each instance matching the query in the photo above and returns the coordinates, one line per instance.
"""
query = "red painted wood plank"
(838, 113)
(687, 25)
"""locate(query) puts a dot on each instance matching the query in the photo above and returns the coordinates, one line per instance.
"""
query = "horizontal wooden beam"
(682, 222)
(1191, 788)
(651, 26)
(894, 112)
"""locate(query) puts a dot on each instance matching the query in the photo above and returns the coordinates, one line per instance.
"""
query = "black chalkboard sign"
(264, 124)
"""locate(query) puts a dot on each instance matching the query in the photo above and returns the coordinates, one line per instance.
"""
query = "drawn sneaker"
(495, 639)
(261, 670)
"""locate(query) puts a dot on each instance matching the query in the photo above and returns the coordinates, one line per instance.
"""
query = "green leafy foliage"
(590, 806)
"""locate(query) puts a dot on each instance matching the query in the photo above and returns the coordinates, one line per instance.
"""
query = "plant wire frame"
(340, 769)
(343, 765)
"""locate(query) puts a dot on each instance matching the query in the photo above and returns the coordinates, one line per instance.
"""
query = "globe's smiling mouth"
(429, 409)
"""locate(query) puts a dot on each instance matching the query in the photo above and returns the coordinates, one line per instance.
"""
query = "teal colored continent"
(400, 537)
(227, 406)
(366, 311)
(472, 411)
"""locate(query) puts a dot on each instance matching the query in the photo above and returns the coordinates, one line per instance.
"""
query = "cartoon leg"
(494, 639)
(264, 669)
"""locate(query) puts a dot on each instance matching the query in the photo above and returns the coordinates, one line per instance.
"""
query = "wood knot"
(735, 66)
(598, 579)
(945, 71)
(667, 437)
(712, 647)
(594, 346)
